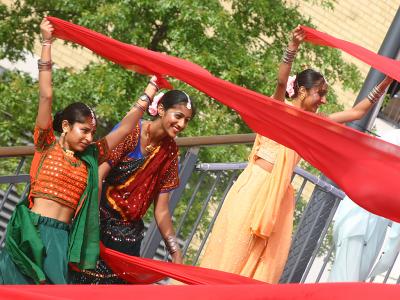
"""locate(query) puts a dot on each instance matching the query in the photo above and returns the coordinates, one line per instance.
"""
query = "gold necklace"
(149, 148)
(69, 153)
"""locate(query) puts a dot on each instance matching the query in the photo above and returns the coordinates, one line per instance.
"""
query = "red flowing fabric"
(384, 64)
(367, 169)
(321, 291)
(144, 270)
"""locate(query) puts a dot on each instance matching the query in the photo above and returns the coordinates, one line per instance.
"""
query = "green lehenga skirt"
(38, 245)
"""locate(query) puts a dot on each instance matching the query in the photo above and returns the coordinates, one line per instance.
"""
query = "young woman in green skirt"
(59, 222)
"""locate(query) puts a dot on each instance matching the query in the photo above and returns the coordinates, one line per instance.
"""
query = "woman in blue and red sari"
(142, 170)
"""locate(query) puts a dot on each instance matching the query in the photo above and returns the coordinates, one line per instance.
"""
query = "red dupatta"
(132, 198)
(365, 168)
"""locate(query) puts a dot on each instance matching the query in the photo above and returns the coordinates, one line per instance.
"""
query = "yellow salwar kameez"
(252, 233)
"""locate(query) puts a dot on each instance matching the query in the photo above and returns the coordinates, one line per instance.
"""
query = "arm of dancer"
(164, 223)
(285, 66)
(44, 117)
(361, 108)
(132, 118)
(104, 169)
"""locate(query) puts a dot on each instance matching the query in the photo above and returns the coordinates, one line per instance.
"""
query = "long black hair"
(176, 97)
(308, 78)
(75, 112)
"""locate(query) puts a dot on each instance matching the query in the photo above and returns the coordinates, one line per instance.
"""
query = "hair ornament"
(290, 85)
(153, 107)
(92, 115)
(189, 102)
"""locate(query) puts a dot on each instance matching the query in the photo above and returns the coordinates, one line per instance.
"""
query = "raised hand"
(161, 82)
(298, 36)
(46, 29)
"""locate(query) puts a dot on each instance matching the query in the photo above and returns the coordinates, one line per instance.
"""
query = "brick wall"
(364, 22)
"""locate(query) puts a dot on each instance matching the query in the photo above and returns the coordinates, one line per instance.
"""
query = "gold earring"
(302, 97)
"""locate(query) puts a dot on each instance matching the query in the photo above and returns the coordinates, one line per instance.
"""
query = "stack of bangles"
(44, 65)
(46, 42)
(375, 94)
(146, 98)
(171, 242)
(288, 56)
(140, 106)
(154, 84)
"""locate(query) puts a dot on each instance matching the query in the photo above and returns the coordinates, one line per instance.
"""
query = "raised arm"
(362, 107)
(44, 117)
(285, 66)
(132, 118)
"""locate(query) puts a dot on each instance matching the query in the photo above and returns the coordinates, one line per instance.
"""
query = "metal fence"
(197, 201)
(391, 111)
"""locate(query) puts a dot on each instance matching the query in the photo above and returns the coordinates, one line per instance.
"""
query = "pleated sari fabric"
(252, 233)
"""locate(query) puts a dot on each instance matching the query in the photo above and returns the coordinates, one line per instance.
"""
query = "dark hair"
(308, 78)
(175, 97)
(75, 112)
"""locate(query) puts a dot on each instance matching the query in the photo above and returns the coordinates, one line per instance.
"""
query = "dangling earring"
(302, 97)
(63, 134)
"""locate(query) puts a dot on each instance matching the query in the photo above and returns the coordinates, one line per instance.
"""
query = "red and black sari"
(132, 185)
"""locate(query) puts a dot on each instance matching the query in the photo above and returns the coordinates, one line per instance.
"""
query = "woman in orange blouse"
(61, 224)
(252, 234)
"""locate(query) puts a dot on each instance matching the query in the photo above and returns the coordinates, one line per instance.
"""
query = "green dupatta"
(23, 242)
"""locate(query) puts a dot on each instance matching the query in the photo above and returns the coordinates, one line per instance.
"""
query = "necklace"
(69, 157)
(149, 148)
(61, 142)
(69, 153)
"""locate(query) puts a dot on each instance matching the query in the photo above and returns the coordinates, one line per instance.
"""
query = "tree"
(240, 41)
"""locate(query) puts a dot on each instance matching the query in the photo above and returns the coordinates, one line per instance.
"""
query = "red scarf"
(361, 165)
(132, 198)
(365, 168)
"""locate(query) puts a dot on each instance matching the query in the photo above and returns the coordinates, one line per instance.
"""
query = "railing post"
(153, 236)
(308, 233)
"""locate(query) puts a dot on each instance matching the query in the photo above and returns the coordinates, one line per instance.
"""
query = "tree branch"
(160, 34)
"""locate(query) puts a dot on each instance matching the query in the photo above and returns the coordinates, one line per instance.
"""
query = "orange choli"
(55, 175)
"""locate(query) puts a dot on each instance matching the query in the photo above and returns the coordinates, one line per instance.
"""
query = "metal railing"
(391, 111)
(195, 205)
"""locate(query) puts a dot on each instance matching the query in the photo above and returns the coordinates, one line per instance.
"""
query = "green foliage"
(241, 43)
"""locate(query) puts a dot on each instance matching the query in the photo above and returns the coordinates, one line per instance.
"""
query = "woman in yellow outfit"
(252, 233)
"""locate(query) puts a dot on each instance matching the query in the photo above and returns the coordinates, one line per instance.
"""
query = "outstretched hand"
(46, 29)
